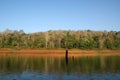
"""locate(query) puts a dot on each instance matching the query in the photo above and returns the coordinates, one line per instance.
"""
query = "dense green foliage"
(60, 39)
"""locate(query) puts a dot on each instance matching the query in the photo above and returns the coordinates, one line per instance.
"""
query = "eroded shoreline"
(61, 53)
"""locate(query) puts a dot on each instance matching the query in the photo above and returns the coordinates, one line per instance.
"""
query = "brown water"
(21, 67)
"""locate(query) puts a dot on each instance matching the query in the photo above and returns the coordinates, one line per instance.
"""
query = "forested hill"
(60, 39)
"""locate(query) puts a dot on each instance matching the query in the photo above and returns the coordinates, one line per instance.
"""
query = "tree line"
(58, 39)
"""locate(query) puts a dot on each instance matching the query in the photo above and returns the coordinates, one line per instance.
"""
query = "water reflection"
(46, 66)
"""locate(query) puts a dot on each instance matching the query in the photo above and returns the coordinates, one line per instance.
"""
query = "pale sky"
(43, 15)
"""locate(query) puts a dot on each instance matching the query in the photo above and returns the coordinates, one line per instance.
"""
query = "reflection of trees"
(102, 62)
(17, 63)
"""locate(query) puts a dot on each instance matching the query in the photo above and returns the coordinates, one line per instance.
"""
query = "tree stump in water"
(66, 56)
(66, 53)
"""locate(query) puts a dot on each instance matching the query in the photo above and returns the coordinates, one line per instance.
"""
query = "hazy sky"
(43, 15)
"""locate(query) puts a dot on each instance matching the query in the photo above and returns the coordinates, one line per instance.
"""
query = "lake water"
(22, 67)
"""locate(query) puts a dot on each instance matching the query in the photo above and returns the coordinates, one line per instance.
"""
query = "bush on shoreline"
(60, 39)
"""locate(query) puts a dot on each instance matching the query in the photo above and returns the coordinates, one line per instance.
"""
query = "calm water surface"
(22, 67)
